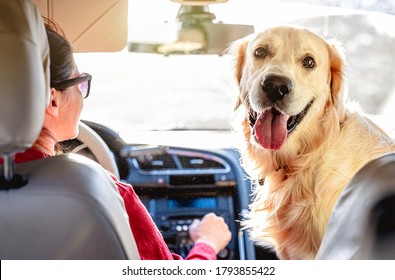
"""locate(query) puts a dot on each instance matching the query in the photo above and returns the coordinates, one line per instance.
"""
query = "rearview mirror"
(194, 32)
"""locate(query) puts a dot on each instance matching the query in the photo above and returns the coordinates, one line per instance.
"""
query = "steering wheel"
(91, 140)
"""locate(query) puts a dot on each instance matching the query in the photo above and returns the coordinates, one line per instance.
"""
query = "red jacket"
(149, 240)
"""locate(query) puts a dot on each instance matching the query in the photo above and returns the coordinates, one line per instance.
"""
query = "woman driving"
(62, 115)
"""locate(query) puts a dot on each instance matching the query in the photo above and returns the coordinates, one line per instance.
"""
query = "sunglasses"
(83, 81)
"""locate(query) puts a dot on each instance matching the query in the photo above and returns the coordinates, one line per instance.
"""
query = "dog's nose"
(276, 87)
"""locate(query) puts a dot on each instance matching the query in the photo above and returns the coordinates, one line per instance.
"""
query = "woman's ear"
(53, 105)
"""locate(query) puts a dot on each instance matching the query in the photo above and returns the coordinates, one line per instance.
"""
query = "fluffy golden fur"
(298, 182)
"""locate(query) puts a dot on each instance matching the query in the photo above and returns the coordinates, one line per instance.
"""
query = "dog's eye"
(260, 52)
(308, 62)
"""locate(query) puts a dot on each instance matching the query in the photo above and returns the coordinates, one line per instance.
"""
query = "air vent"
(189, 162)
(156, 162)
(169, 161)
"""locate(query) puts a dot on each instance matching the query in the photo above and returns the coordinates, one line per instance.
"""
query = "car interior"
(85, 217)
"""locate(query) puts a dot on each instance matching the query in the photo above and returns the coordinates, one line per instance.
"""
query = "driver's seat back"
(61, 207)
(70, 209)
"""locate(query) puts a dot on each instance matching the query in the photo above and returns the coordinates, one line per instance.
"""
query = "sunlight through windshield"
(135, 91)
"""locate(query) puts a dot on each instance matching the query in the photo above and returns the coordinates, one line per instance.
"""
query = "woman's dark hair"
(60, 52)
(61, 64)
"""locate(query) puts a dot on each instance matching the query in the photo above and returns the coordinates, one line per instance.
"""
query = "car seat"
(60, 207)
(362, 224)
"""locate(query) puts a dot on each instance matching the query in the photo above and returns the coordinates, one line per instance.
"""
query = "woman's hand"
(211, 230)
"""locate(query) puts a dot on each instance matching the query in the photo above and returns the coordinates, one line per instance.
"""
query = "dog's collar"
(292, 122)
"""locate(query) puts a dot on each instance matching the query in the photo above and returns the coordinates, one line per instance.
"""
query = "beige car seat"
(62, 207)
(362, 225)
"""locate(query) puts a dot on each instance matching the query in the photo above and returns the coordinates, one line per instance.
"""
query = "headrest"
(24, 74)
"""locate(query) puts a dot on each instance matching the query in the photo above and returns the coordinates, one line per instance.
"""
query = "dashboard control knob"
(165, 226)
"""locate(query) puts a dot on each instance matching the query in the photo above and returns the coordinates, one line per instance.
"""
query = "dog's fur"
(298, 183)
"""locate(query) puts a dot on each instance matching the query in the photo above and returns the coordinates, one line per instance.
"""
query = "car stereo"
(174, 215)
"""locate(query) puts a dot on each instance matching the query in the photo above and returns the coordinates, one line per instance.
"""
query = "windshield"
(140, 91)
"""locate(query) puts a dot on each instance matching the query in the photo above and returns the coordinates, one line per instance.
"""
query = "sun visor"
(99, 29)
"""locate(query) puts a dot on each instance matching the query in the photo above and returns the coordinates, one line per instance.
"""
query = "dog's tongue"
(271, 129)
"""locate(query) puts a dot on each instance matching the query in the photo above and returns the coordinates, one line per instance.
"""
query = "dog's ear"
(237, 50)
(337, 76)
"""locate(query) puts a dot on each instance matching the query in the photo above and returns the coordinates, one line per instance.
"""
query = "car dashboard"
(179, 184)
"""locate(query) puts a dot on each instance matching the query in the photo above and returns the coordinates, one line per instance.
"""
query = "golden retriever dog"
(303, 142)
